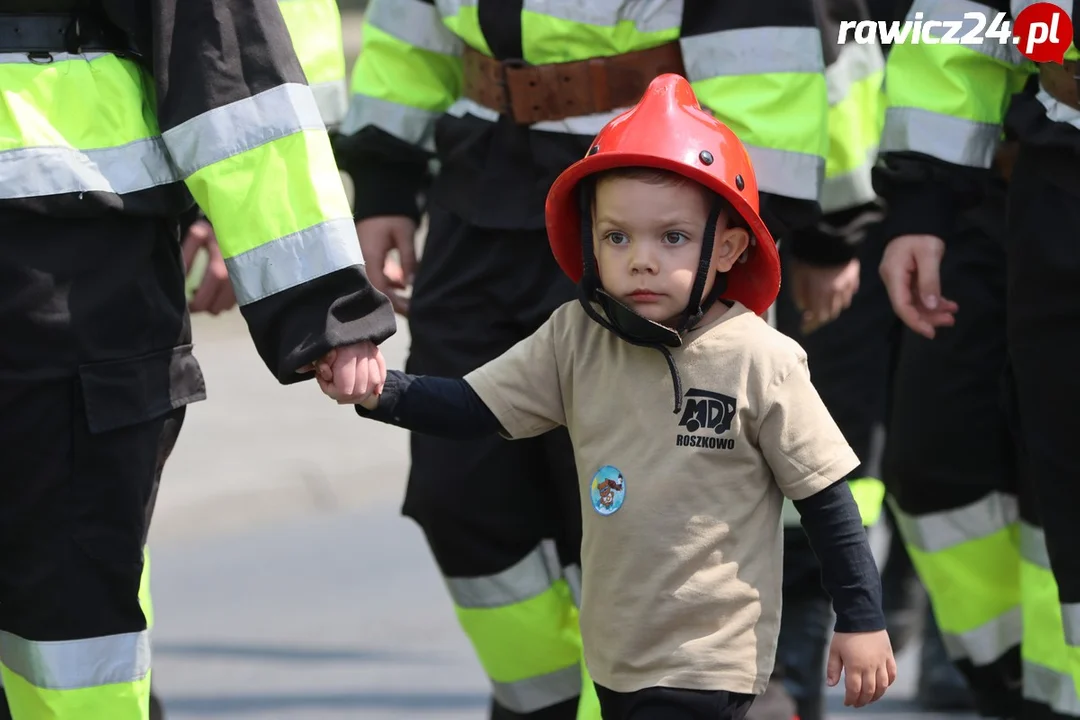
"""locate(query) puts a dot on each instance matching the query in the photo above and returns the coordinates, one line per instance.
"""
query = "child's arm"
(849, 574)
(445, 407)
(810, 458)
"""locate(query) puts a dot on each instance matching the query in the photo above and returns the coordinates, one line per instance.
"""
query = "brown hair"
(660, 176)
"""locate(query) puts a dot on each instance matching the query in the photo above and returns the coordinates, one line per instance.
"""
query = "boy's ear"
(730, 244)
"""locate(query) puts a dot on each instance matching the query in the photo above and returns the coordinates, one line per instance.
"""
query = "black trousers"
(662, 703)
(1043, 322)
(486, 505)
(95, 375)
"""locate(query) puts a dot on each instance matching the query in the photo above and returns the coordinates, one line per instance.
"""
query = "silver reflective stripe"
(1058, 111)
(332, 99)
(739, 52)
(647, 15)
(414, 22)
(38, 171)
(796, 175)
(938, 531)
(1070, 616)
(532, 694)
(850, 189)
(242, 125)
(76, 664)
(951, 13)
(413, 125)
(294, 259)
(572, 575)
(450, 8)
(529, 577)
(988, 642)
(952, 139)
(1033, 545)
(1053, 689)
(15, 58)
(854, 64)
(589, 125)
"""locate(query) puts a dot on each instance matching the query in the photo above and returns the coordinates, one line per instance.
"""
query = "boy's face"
(648, 238)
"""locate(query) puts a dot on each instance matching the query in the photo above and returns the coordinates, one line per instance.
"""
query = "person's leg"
(487, 506)
(950, 471)
(1044, 340)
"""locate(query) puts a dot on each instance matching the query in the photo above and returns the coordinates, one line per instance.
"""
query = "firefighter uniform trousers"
(1043, 320)
(83, 447)
(509, 546)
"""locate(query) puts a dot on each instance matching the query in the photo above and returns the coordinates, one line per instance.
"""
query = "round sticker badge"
(608, 490)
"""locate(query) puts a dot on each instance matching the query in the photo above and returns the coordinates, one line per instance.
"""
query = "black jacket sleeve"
(389, 175)
(208, 58)
(850, 576)
(443, 407)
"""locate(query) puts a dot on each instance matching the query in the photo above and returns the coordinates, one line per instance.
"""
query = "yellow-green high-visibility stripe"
(408, 73)
(234, 159)
(969, 561)
(785, 93)
(146, 601)
(949, 100)
(315, 29)
(463, 18)
(1050, 671)
(568, 30)
(523, 623)
(855, 118)
(87, 145)
(106, 678)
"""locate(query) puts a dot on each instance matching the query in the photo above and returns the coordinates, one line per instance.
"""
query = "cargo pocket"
(116, 453)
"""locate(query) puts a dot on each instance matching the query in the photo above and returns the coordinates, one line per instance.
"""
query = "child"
(691, 419)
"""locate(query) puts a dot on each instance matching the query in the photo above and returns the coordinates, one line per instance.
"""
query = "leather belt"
(536, 93)
(1061, 82)
(46, 33)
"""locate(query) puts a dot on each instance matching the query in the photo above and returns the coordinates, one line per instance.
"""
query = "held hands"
(822, 293)
(868, 663)
(352, 375)
(911, 270)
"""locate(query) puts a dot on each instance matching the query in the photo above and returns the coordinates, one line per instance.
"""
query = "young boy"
(691, 419)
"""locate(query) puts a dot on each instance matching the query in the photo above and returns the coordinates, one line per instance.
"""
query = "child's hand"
(868, 662)
(352, 374)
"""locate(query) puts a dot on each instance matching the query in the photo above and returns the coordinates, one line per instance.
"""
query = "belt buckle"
(508, 101)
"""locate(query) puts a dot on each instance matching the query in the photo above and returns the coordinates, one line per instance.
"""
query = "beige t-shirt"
(681, 552)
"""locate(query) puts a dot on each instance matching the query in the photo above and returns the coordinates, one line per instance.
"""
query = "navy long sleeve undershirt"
(450, 408)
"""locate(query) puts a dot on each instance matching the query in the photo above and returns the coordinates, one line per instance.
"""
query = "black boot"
(941, 686)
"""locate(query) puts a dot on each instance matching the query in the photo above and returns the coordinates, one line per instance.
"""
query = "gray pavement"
(286, 584)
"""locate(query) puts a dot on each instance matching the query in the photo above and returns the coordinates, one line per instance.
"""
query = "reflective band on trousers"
(938, 531)
(527, 578)
(988, 642)
(536, 693)
(75, 664)
(315, 29)
(1056, 690)
(953, 139)
(950, 13)
(332, 99)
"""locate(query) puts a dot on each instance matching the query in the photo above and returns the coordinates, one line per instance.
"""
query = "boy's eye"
(675, 238)
(617, 238)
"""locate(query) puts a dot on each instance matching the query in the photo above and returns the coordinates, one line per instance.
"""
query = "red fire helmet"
(668, 130)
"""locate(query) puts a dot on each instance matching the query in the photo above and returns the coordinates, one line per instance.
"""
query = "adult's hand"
(911, 270)
(378, 236)
(822, 293)
(215, 293)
